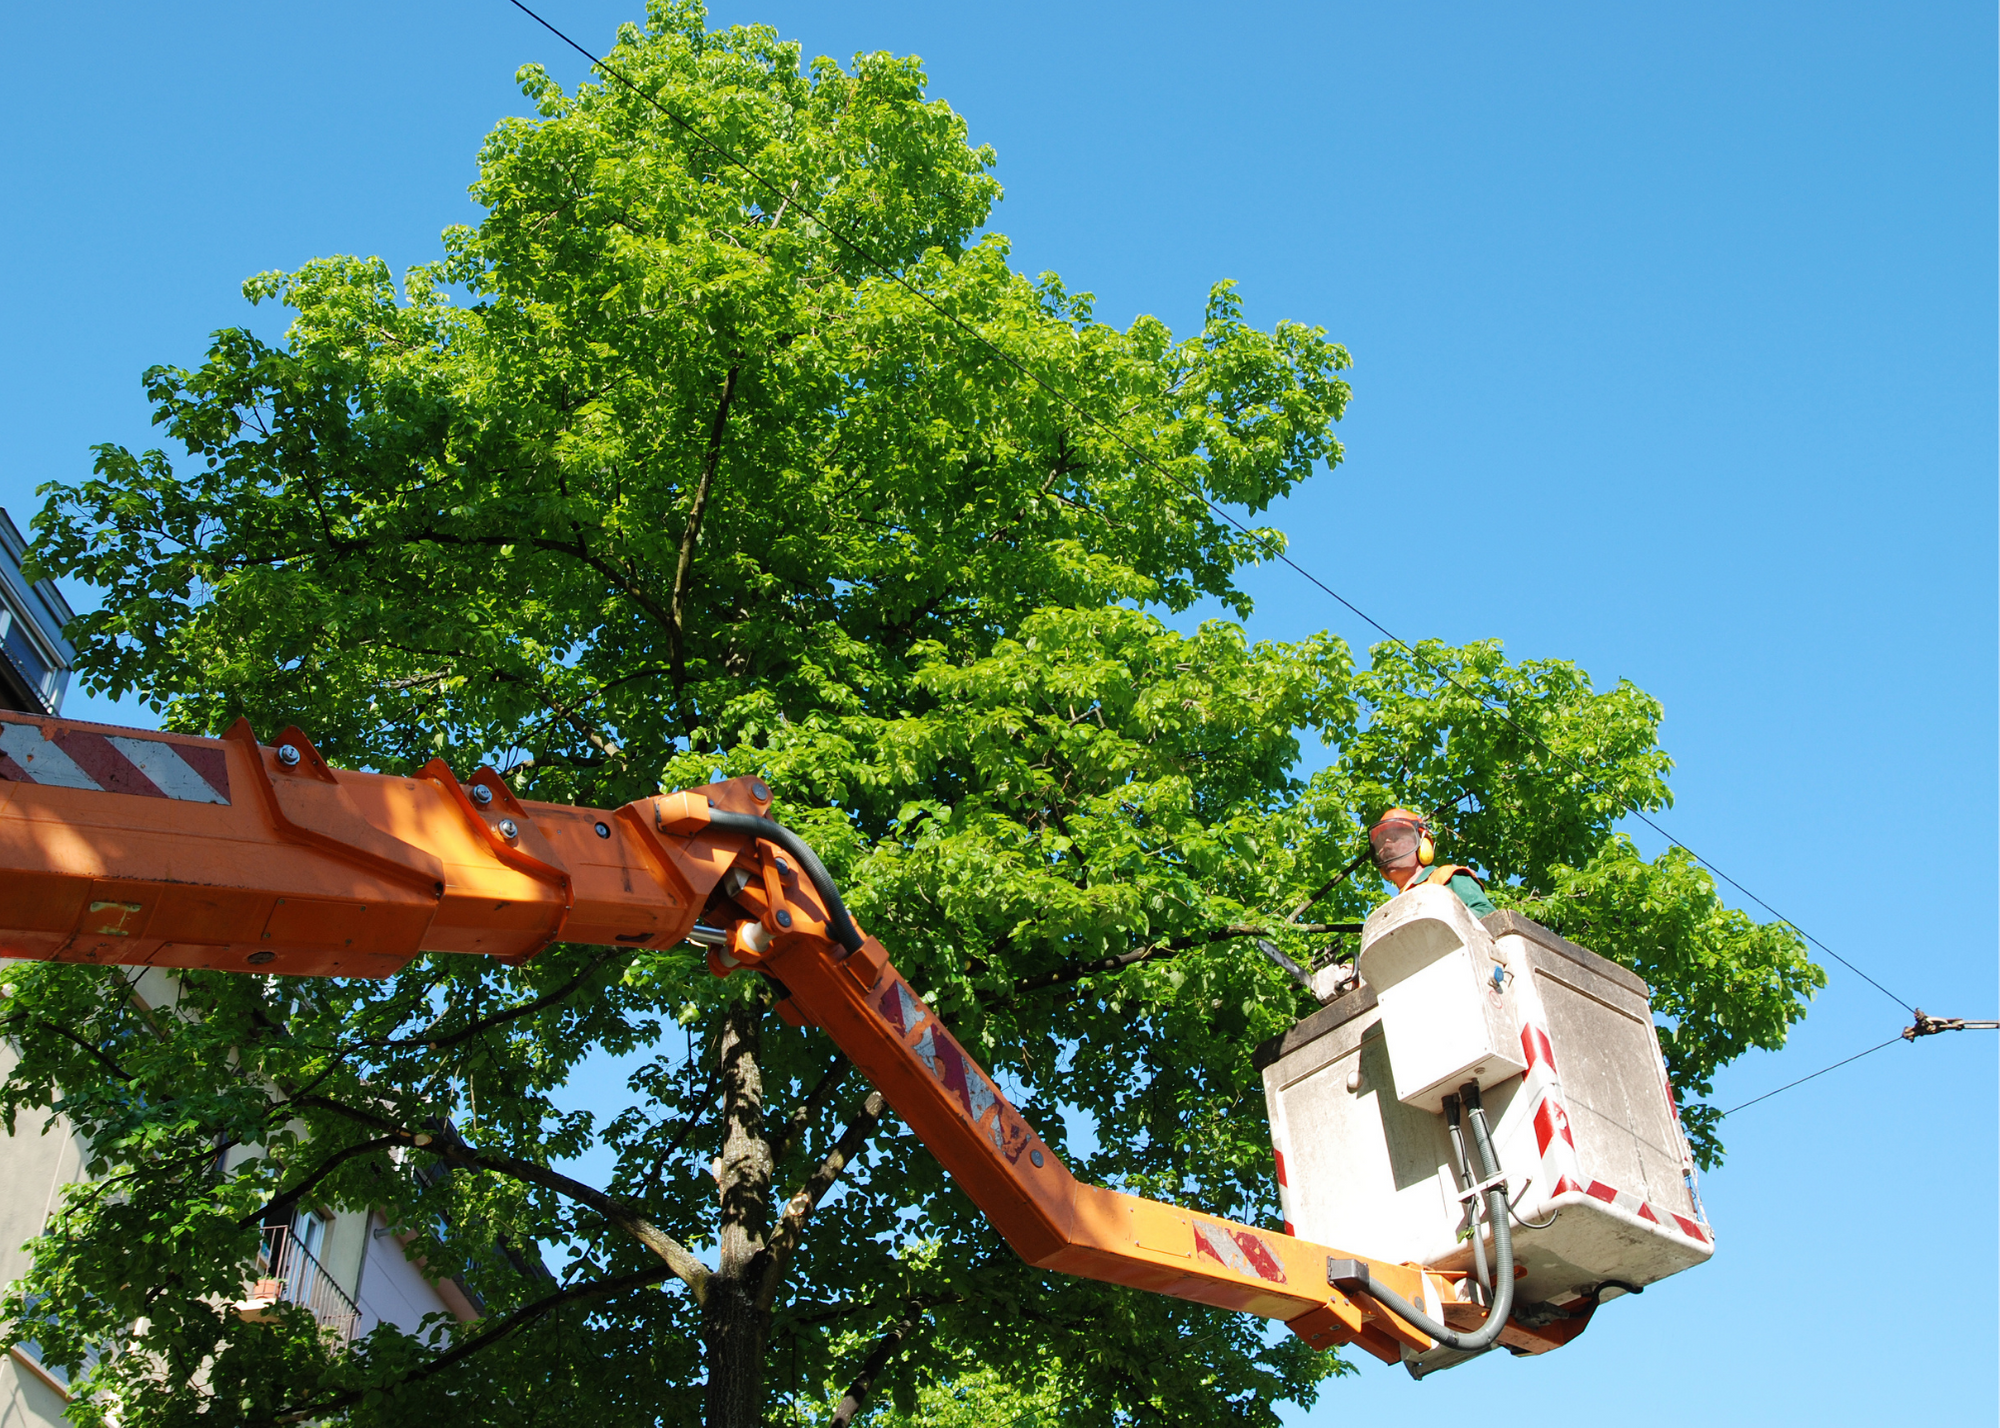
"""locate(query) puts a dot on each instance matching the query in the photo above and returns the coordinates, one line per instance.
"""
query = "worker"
(1404, 851)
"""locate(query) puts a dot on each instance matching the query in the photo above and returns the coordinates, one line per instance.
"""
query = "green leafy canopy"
(653, 474)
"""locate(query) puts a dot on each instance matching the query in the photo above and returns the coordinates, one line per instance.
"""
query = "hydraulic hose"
(837, 920)
(1454, 1123)
(1354, 1273)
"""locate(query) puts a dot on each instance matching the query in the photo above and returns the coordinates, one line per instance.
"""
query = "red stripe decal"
(1691, 1229)
(1202, 1246)
(1564, 1185)
(11, 770)
(1288, 1228)
(1598, 1190)
(1550, 1121)
(1259, 1255)
(951, 1069)
(891, 1007)
(101, 761)
(1281, 1168)
(211, 763)
(1646, 1212)
(1535, 1045)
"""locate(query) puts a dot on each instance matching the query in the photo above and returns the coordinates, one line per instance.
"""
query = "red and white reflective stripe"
(1240, 1250)
(1557, 1146)
(111, 763)
(1632, 1204)
(1284, 1191)
(1554, 1143)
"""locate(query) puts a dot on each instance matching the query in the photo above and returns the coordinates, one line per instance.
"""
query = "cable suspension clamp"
(1498, 1182)
(1932, 1025)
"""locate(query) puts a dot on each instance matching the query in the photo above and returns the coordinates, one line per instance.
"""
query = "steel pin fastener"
(481, 794)
(288, 755)
(784, 918)
(509, 828)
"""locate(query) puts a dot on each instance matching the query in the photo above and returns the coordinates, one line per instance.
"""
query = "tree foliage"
(654, 474)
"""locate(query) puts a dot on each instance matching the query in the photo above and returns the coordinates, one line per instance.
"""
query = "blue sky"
(1674, 348)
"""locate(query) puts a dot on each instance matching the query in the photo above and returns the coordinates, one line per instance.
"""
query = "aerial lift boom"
(146, 849)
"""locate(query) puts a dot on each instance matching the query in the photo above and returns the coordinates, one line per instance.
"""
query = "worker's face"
(1395, 849)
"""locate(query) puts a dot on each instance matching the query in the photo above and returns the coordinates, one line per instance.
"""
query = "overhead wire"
(1899, 1036)
(889, 271)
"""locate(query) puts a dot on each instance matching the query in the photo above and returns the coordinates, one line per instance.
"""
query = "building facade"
(347, 1268)
(35, 659)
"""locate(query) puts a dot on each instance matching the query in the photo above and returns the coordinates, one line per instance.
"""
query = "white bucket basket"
(1562, 1045)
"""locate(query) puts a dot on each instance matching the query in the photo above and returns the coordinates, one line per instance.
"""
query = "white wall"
(392, 1288)
(33, 1169)
(27, 1399)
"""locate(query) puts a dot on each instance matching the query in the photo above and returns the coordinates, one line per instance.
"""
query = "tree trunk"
(734, 1329)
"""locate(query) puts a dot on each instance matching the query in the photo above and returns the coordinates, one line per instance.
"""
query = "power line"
(860, 249)
(1899, 1036)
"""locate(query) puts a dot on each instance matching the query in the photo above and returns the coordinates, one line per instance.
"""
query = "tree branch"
(703, 1102)
(622, 1216)
(803, 1113)
(326, 1168)
(1077, 971)
(485, 1024)
(871, 1368)
(575, 549)
(593, 735)
(791, 1225)
(677, 607)
(595, 1289)
(102, 1058)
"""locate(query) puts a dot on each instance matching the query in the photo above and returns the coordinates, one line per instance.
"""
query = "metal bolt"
(758, 791)
(1036, 1156)
(784, 918)
(258, 959)
(784, 868)
(604, 830)
(288, 755)
(509, 828)
(481, 794)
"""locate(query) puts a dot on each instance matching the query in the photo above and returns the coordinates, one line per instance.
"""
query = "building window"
(309, 1229)
(20, 646)
(35, 659)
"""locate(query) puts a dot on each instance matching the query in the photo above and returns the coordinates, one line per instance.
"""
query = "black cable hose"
(1488, 1333)
(837, 920)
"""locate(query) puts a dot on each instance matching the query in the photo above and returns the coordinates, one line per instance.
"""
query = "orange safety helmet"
(1401, 837)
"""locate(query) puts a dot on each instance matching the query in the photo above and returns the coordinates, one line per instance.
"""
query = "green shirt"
(1469, 892)
(1472, 894)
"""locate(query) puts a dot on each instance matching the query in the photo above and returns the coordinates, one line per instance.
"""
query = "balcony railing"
(288, 1273)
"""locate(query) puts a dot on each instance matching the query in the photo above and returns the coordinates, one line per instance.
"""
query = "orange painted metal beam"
(118, 846)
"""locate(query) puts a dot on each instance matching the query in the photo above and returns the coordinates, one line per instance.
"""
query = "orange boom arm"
(144, 849)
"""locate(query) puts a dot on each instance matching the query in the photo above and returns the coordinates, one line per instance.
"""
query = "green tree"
(656, 473)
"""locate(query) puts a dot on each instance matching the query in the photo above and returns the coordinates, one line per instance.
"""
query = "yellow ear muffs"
(1426, 850)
